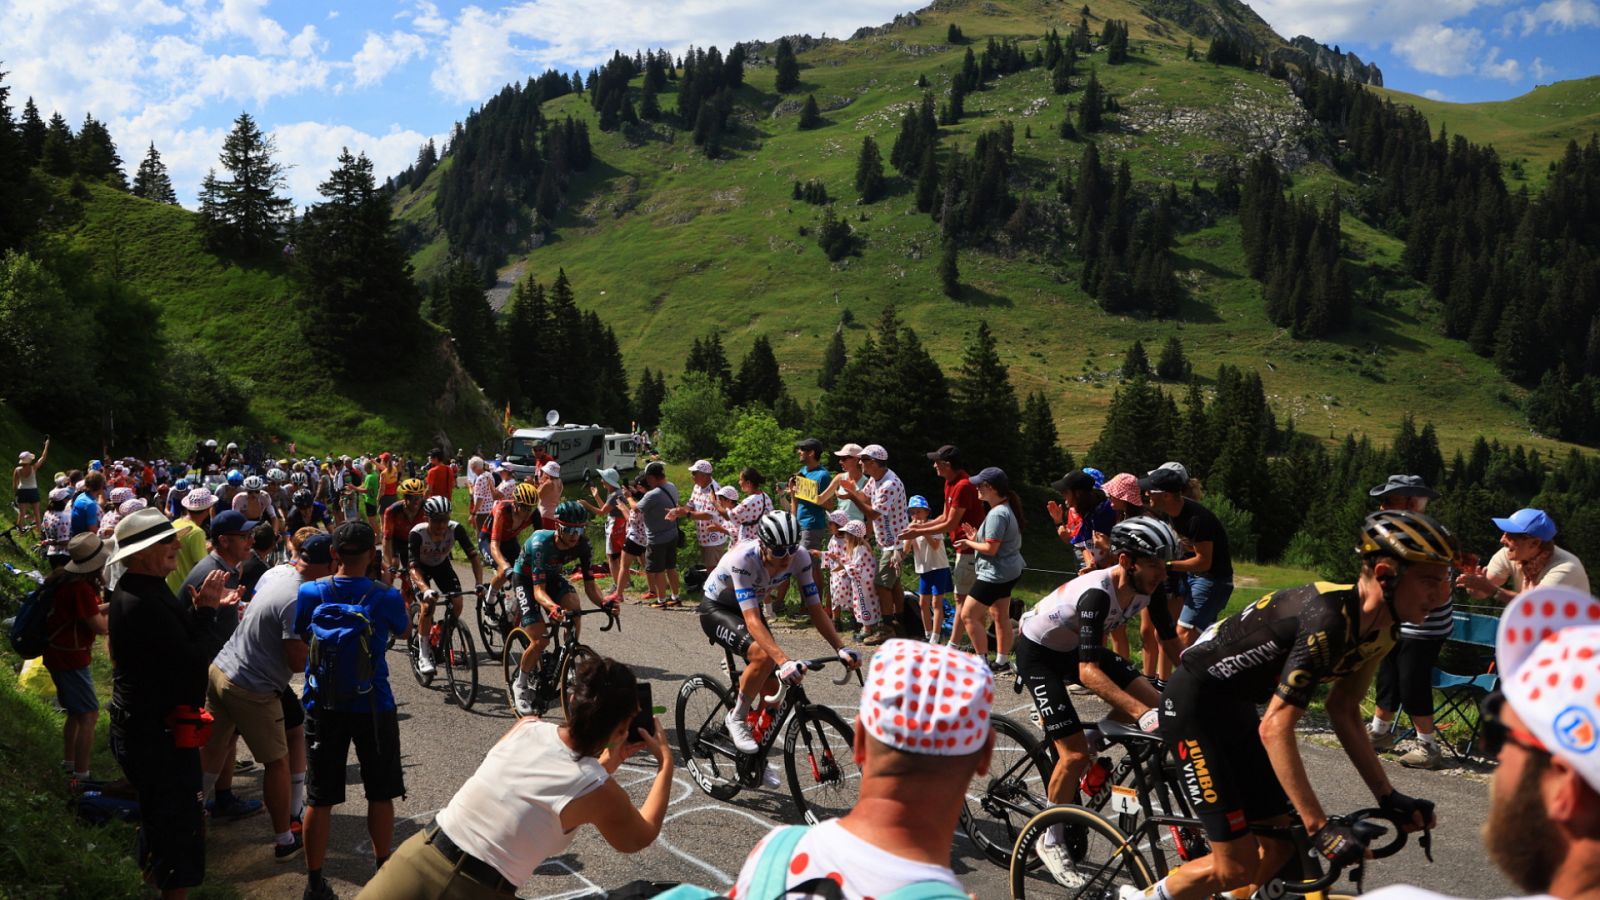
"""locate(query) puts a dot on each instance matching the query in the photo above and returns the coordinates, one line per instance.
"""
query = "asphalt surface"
(705, 841)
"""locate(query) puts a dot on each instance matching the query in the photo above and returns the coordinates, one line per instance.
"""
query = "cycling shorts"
(1045, 673)
(443, 577)
(522, 594)
(724, 625)
(1222, 765)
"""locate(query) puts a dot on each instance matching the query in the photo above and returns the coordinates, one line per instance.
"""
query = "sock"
(285, 838)
(1002, 657)
(1161, 891)
(81, 776)
(314, 877)
(1381, 726)
(741, 707)
(1430, 739)
(1054, 835)
(208, 781)
(297, 795)
(378, 861)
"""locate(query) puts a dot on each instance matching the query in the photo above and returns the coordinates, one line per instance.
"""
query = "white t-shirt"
(1407, 892)
(862, 870)
(928, 553)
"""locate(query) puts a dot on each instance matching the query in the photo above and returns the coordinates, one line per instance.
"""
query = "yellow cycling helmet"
(1408, 536)
(526, 494)
(412, 487)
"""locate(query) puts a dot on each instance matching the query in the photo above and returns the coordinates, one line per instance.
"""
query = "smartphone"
(644, 722)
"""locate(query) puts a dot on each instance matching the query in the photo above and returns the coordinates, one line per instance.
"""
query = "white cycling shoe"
(519, 695)
(741, 735)
(1061, 865)
(425, 663)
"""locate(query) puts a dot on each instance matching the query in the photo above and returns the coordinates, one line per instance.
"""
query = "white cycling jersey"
(741, 579)
(1084, 610)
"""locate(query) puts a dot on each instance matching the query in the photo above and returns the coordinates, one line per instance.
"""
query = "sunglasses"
(570, 529)
(1494, 733)
(782, 552)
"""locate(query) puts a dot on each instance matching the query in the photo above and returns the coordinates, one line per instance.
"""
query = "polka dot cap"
(927, 699)
(1548, 654)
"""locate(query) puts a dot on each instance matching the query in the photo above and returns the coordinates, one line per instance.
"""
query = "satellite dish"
(551, 418)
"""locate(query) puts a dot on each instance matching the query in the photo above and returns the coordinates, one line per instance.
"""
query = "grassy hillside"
(666, 244)
(1533, 128)
(241, 316)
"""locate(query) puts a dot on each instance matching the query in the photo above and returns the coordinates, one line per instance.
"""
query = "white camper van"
(576, 447)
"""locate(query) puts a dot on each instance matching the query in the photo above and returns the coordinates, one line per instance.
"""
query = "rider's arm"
(1161, 618)
(1277, 735)
(471, 549)
(1344, 713)
(762, 635)
(1093, 608)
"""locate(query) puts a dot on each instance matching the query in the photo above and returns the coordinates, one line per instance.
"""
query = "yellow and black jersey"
(1287, 643)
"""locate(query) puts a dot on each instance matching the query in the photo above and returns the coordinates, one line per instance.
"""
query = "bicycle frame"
(788, 699)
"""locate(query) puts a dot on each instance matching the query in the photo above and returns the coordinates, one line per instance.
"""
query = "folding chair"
(1459, 695)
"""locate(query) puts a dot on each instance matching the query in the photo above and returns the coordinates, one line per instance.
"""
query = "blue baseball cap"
(1098, 476)
(230, 522)
(1528, 521)
(994, 477)
(917, 502)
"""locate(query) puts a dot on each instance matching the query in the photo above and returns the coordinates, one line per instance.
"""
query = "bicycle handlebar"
(1367, 830)
(815, 665)
(613, 620)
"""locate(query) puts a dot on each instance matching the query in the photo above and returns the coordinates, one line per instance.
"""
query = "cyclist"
(231, 486)
(507, 522)
(428, 548)
(398, 521)
(1239, 768)
(1063, 641)
(256, 504)
(542, 591)
(731, 615)
(306, 513)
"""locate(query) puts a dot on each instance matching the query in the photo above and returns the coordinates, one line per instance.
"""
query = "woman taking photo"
(530, 795)
(998, 545)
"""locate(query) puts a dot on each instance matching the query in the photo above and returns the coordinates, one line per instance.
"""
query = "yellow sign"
(805, 489)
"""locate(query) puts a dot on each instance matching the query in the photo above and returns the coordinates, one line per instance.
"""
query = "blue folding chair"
(1459, 695)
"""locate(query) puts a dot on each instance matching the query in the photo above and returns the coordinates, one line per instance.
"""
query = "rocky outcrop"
(901, 22)
(1307, 53)
(1213, 18)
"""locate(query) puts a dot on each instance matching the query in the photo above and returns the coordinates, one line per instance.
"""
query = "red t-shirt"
(441, 481)
(71, 638)
(960, 492)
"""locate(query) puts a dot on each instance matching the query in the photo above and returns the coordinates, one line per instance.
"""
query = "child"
(933, 569)
(860, 570)
(833, 559)
(56, 528)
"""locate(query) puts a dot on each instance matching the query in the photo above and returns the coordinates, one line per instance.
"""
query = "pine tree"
(788, 68)
(758, 381)
(927, 180)
(1136, 363)
(1091, 106)
(57, 154)
(250, 209)
(32, 130)
(1043, 459)
(151, 181)
(810, 116)
(949, 272)
(708, 358)
(458, 303)
(834, 359)
(1173, 365)
(953, 35)
(985, 405)
(1138, 431)
(647, 399)
(95, 154)
(523, 327)
(870, 183)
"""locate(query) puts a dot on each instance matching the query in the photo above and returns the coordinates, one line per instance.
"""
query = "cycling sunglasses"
(1494, 733)
(570, 529)
(782, 552)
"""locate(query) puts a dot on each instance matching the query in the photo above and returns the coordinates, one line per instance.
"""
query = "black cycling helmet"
(302, 497)
(778, 528)
(1410, 537)
(1144, 536)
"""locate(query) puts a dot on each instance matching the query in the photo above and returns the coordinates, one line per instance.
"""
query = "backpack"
(339, 669)
(30, 632)
(772, 873)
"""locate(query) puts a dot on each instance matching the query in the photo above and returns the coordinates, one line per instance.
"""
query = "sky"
(382, 77)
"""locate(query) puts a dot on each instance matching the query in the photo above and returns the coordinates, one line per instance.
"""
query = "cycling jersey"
(504, 526)
(299, 518)
(541, 558)
(397, 527)
(741, 579)
(429, 550)
(1287, 643)
(1077, 615)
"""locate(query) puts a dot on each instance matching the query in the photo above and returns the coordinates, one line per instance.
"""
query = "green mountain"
(667, 244)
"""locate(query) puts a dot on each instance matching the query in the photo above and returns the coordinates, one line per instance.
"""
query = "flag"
(507, 421)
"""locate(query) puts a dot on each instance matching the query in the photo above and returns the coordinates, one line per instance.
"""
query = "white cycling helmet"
(254, 483)
(436, 507)
(778, 529)
(277, 476)
(1144, 536)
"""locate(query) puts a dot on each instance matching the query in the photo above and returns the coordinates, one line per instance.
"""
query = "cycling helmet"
(235, 477)
(232, 445)
(778, 529)
(571, 512)
(182, 484)
(436, 507)
(277, 476)
(1408, 536)
(254, 483)
(297, 477)
(302, 497)
(211, 444)
(526, 494)
(412, 487)
(1144, 536)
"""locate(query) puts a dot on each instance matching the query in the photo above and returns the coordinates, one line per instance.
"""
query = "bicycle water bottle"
(760, 721)
(1094, 781)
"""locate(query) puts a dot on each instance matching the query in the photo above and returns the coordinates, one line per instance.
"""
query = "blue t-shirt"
(811, 515)
(385, 609)
(85, 514)
(1101, 520)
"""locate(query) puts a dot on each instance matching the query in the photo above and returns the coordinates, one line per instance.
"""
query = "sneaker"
(241, 766)
(649, 595)
(1061, 865)
(999, 668)
(281, 852)
(520, 695)
(1425, 755)
(1382, 741)
(232, 808)
(322, 890)
(741, 735)
(1078, 689)
(874, 635)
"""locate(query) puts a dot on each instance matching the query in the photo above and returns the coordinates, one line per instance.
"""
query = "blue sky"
(382, 77)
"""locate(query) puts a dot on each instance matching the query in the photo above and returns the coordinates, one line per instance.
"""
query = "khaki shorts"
(965, 573)
(256, 716)
(710, 556)
(888, 568)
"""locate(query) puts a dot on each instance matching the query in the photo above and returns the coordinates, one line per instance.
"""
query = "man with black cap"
(1210, 569)
(368, 720)
(813, 517)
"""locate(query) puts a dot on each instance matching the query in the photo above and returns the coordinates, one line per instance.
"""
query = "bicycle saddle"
(1112, 730)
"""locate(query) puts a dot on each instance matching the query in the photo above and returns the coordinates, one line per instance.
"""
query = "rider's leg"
(1072, 760)
(539, 638)
(753, 680)
(1231, 864)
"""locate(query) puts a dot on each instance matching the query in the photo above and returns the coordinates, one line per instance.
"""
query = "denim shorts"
(1206, 600)
(75, 690)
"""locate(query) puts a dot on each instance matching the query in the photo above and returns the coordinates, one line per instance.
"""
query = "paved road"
(705, 841)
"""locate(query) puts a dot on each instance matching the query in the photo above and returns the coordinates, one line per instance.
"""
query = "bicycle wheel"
(999, 804)
(823, 777)
(461, 664)
(492, 622)
(703, 739)
(1102, 859)
(511, 664)
(415, 660)
(576, 653)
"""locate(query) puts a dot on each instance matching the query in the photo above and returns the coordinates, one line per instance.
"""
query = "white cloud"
(241, 19)
(381, 55)
(309, 151)
(1505, 69)
(1368, 21)
(1439, 49)
(1436, 94)
(1540, 71)
(1553, 16)
(427, 19)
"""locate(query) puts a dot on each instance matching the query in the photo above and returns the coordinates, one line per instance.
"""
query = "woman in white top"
(25, 484)
(533, 790)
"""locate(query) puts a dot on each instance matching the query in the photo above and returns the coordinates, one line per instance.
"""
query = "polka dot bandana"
(927, 699)
(1548, 654)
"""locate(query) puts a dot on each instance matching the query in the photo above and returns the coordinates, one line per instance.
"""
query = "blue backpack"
(30, 632)
(339, 669)
(772, 875)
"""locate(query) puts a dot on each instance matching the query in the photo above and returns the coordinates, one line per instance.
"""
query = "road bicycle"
(452, 651)
(561, 656)
(822, 774)
(1154, 819)
(494, 620)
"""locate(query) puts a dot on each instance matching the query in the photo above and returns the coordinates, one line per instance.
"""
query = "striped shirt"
(1437, 626)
